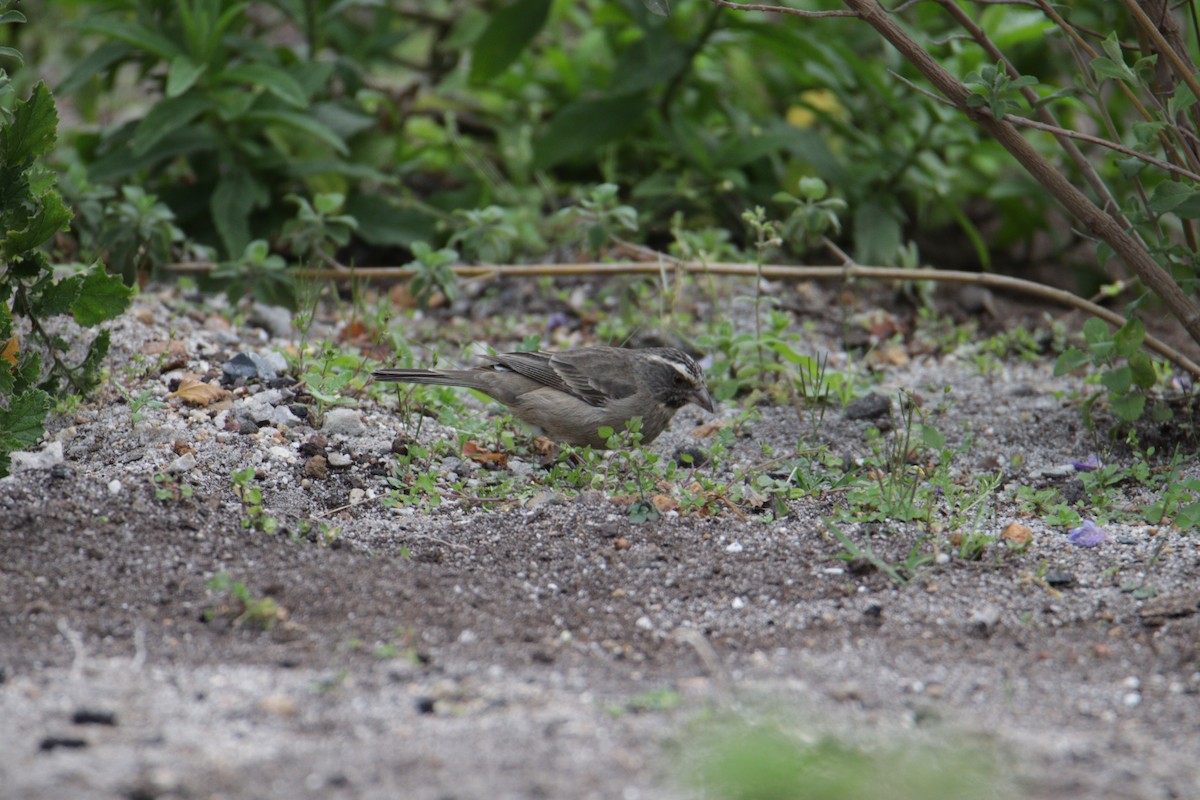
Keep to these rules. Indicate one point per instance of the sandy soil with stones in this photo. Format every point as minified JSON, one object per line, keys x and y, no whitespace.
{"x":506,"y":650}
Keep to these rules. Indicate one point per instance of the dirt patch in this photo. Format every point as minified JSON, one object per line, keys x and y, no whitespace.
{"x":515,"y":649}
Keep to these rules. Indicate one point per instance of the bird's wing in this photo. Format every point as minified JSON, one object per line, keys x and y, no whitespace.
{"x":596,"y":375}
{"x":575,"y":373}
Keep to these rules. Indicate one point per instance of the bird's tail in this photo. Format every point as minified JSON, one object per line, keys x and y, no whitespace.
{"x":433,"y":376}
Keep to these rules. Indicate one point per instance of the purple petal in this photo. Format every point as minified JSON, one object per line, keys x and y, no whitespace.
{"x":1087,"y":535}
{"x":1090,"y":464}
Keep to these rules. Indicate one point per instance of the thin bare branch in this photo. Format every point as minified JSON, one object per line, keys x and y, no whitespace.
{"x":1182,"y":68}
{"x":1166,"y":166}
{"x":779,"y":272}
{"x":795,"y":12}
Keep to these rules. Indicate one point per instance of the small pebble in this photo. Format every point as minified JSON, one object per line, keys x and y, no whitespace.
{"x":317,"y":467}
{"x":241,"y":366}
{"x":47,"y":458}
{"x":985,"y":619}
{"x":280,"y":453}
{"x":185,"y":463}
{"x":88,"y":716}
{"x":344,"y":421}
{"x":870,"y":407}
{"x":275,"y":320}
{"x":734,"y":547}
{"x":114,"y":487}
{"x":1060,"y":579}
{"x":315,"y":445}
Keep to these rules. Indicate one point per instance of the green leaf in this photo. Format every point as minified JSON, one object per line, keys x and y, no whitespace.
{"x":232,"y":201}
{"x":271,"y":79}
{"x":101,"y":297}
{"x":49,"y":217}
{"x":1117,"y":380}
{"x":94,"y":63}
{"x":87,"y":374}
{"x":1177,"y":197}
{"x":507,"y":35}
{"x":21,"y":423}
{"x":299,"y":122}
{"x":32,"y":130}
{"x":653,"y":60}
{"x":57,"y":297}
{"x":166,"y":117}
{"x":182,"y":75}
{"x":932,"y":437}
{"x":1107,"y":68}
{"x":1129,"y":407}
{"x":1071,"y":360}
{"x":877,"y":233}
{"x":584,"y":127}
{"x":385,"y":223}
{"x":1129,"y":337}
{"x":1181,"y":101}
{"x":1144,"y":374}
{"x":139,"y":36}
{"x":1095,"y":330}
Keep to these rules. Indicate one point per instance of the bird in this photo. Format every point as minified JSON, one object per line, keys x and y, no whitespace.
{"x":571,"y":395}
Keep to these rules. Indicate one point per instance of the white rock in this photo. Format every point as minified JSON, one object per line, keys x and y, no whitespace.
{"x":276,"y":320}
{"x":345,"y":421}
{"x":45,"y":458}
{"x":284,"y":416}
{"x":281,"y":453}
{"x":258,"y":408}
{"x":185,"y":463}
{"x":114,"y":487}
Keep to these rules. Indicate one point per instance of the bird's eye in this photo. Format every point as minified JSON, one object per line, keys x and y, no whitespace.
{"x":680,"y":380}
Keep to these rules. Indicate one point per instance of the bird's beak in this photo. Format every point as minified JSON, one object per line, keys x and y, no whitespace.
{"x":702,"y":398}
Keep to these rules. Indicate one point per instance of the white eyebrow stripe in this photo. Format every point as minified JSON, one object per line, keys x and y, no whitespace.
{"x":682,"y":369}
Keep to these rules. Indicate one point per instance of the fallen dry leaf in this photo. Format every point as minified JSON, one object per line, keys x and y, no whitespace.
{"x":9,"y":351}
{"x":486,"y":457}
{"x":708,"y":429}
{"x":198,"y":393}
{"x":173,"y":353}
{"x":664,"y":503}
{"x":890,"y":355}
{"x":1017,"y":533}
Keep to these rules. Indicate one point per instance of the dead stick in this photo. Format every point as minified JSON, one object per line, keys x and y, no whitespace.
{"x":781,"y":272}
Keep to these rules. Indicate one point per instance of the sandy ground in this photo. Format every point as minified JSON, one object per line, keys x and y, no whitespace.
{"x":553,"y":648}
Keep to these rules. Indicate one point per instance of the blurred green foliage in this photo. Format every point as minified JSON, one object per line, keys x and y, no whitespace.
{"x":417,"y":113}
{"x":470,"y":125}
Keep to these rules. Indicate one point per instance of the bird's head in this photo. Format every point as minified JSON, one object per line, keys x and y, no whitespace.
{"x":675,"y":378}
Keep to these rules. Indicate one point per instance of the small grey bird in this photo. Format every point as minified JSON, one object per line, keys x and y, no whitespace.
{"x":571,"y":395}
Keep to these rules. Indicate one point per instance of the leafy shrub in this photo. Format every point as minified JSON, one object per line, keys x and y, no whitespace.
{"x":31,"y":213}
